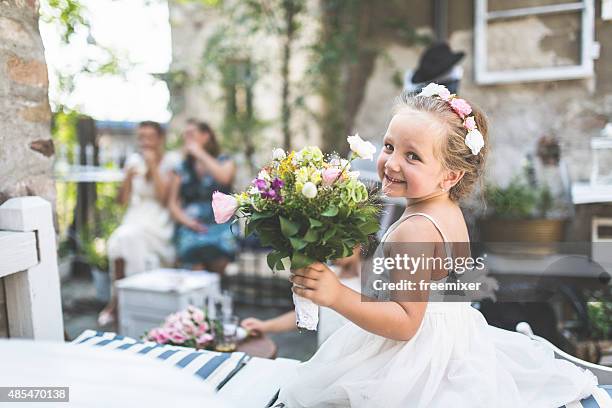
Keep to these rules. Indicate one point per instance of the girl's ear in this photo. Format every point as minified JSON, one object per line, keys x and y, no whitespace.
{"x":452,"y":177}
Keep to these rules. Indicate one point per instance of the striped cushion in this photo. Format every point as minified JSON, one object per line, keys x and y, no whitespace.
{"x":601,"y":399}
{"x":213,"y":367}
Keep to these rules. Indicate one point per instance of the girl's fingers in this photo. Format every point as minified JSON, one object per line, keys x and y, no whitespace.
{"x":305,"y":293}
{"x":303,"y":281}
{"x":307,"y":273}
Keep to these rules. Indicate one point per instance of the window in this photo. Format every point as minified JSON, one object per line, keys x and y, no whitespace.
{"x":553,"y":40}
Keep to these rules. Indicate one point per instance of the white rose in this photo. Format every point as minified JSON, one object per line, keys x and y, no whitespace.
{"x":309,"y":190}
{"x":474,"y":141}
{"x":253,"y":190}
{"x":435,"y":90}
{"x":363,"y":149}
{"x":278,"y":154}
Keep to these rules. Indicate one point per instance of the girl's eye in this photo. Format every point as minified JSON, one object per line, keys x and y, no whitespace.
{"x":413,"y":156}
{"x":388,"y":147}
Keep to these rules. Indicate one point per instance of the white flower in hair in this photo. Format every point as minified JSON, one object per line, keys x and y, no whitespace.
{"x":436,"y":90}
{"x":474,"y":141}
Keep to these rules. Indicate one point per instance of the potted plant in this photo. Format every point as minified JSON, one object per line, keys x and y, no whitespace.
{"x":519,"y":213}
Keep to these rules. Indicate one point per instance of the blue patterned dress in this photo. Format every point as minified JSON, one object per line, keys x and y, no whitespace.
{"x":218,"y":241}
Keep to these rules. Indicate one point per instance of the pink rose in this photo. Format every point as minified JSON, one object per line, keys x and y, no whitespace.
{"x":444,"y":94}
{"x":189,"y":327}
{"x":330,"y":175}
{"x":469,"y":123}
{"x":224,"y":206}
{"x":205,"y":338}
{"x":202,"y":328}
{"x":177,"y":337}
{"x":197,"y":315}
{"x":159,"y":336}
{"x":461,"y":107}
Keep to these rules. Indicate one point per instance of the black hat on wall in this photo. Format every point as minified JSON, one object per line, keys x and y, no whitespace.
{"x":435,"y":61}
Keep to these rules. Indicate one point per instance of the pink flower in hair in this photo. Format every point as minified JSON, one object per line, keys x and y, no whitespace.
{"x":469,"y":123}
{"x":461,"y":107}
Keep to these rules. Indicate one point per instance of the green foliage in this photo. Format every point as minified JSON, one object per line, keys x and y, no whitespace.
{"x":600,"y":316}
{"x":66,"y":15}
{"x":519,"y":200}
{"x":94,"y":239}
{"x":515,"y":201}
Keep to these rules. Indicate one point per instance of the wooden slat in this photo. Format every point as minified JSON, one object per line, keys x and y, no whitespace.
{"x":3,"y":318}
{"x":530,"y":11}
{"x":17,"y":251}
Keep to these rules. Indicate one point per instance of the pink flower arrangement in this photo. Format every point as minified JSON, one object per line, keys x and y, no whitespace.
{"x":187,"y":328}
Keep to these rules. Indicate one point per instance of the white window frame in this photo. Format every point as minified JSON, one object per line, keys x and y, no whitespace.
{"x":589,"y":50}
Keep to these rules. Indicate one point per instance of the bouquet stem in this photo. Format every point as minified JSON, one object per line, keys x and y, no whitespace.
{"x":306,"y":312}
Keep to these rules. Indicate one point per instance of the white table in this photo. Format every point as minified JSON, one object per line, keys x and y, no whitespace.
{"x":146,"y":299}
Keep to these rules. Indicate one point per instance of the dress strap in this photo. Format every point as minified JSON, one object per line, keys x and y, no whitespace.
{"x":447,"y":246}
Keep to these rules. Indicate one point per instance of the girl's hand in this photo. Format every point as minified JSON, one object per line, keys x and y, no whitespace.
{"x":318,"y":283}
{"x":254,"y":326}
{"x":193,"y":148}
{"x":195,"y":225}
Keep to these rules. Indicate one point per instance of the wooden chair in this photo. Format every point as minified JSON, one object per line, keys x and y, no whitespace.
{"x":28,"y":268}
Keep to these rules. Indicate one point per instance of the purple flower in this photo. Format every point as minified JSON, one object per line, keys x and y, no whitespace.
{"x":261,"y":184}
{"x":277,"y":184}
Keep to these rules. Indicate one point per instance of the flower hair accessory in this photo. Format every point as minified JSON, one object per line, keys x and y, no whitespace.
{"x":474,"y":139}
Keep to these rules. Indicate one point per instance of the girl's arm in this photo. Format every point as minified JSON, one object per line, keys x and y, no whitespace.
{"x":126,"y":187}
{"x":397,"y":320}
{"x":222,"y":172}
{"x":278,"y":324}
{"x":174,"y":206}
{"x":160,"y":180}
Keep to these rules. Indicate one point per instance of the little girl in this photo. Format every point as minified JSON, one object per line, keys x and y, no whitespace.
{"x":426,"y":354}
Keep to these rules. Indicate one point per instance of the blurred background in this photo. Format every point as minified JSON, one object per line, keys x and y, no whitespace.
{"x":81,"y":75}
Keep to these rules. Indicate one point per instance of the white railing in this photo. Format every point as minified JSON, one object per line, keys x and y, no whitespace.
{"x":28,"y":265}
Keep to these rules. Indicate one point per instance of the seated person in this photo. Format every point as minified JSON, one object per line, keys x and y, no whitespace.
{"x":200,"y":242}
{"x":143,"y":240}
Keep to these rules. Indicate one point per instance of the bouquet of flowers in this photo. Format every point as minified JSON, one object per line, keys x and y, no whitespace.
{"x":188,"y":328}
{"x":308,"y":208}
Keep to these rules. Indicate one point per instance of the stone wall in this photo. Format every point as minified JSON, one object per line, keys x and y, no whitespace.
{"x":573,"y":110}
{"x":26,"y":148}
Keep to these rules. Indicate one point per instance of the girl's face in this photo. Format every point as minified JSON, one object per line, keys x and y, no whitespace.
{"x":407,"y":164}
{"x":149,"y":138}
{"x":192,"y":134}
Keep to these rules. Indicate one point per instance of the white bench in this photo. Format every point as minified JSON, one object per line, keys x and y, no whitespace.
{"x":28,"y":266}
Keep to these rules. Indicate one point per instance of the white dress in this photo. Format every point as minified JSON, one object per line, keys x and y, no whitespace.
{"x":143,"y":239}
{"x":454,"y":360}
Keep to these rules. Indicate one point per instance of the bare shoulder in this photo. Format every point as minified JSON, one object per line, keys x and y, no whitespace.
{"x":415,"y":229}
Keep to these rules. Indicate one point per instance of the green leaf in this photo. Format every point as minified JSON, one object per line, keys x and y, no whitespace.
{"x":274,"y":260}
{"x":288,"y":227}
{"x":311,"y":236}
{"x":329,"y":233}
{"x":370,"y":227}
{"x":260,"y":216}
{"x":331,"y":211}
{"x":315,"y":223}
{"x":297,"y":243}
{"x":299,"y":260}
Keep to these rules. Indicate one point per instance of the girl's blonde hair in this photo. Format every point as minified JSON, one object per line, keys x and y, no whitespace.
{"x":454,"y":153}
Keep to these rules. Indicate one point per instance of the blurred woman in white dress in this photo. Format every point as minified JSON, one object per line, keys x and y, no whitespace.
{"x":143,"y":240}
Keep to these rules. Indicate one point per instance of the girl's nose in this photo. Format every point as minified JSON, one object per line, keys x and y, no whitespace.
{"x":392,"y":164}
